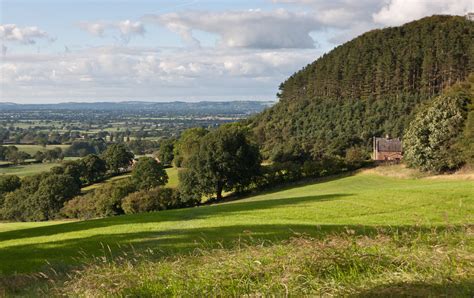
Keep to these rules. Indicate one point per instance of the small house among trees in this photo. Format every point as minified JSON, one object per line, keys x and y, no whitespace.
{"x":387,"y":149}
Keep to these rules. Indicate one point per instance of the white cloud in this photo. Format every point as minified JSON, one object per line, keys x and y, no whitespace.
{"x":339,"y":13}
{"x":121,"y":73}
{"x":397,"y":12}
{"x":245,"y":29}
{"x":126,"y":29}
{"x":24,"y":35}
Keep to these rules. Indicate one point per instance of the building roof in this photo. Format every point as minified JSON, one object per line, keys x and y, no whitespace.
{"x":388,"y":145}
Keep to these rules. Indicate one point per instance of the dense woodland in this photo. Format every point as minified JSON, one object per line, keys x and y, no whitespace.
{"x":370,"y":86}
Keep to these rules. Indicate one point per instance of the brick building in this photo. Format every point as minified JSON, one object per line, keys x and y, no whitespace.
{"x":386,"y":149}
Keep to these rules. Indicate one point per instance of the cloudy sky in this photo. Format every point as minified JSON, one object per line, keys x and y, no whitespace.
{"x":165,"y":50}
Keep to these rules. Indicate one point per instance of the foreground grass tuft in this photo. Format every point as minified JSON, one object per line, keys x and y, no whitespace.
{"x":414,"y":262}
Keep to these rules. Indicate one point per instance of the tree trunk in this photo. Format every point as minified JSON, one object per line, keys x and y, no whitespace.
{"x":219,"y":190}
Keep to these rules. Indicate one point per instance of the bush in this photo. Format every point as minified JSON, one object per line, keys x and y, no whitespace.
{"x":152,"y":200}
{"x":102,"y":202}
{"x":356,"y":157}
{"x":80,"y":207}
{"x":430,"y":141}
{"x":9,"y":183}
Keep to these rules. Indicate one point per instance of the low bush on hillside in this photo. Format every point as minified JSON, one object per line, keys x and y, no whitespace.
{"x":419,"y":263}
{"x":438,"y":138}
{"x":152,"y":200}
{"x":102,"y":202}
{"x":9,"y":183}
{"x":122,"y":198}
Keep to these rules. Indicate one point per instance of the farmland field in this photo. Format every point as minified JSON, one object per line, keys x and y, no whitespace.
{"x":364,"y":203}
{"x":28,"y":169}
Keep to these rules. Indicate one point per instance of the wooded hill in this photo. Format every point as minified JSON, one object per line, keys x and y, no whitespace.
{"x":370,"y":86}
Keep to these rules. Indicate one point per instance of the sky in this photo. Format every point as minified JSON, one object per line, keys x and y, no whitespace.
{"x":144,"y":50}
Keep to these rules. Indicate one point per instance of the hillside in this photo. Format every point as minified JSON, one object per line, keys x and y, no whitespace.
{"x":365,"y":205}
{"x":370,"y":86}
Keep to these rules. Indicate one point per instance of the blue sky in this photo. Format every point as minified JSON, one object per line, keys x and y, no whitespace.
{"x":69,"y":50}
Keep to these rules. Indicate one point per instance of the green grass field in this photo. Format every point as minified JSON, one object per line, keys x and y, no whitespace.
{"x":364,"y":204}
{"x":172,"y":177}
{"x":172,"y":180}
{"x":27,"y":170}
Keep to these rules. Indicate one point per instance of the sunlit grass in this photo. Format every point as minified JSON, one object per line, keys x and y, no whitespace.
{"x":362,"y":202}
{"x":27,"y":169}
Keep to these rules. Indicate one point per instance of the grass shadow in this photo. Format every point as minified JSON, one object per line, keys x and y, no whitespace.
{"x":64,"y":253}
{"x":421,"y":289}
{"x":163,"y":216}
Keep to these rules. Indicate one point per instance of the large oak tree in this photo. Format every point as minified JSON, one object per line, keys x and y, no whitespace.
{"x":226,"y":160}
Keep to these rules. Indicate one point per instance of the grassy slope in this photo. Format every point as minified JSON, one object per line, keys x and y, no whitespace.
{"x":27,"y":170}
{"x":363,"y":202}
{"x":172,"y":181}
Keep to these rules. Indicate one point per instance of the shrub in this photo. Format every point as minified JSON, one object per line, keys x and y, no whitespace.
{"x":80,"y":207}
{"x":102,"y":202}
{"x":430,"y":141}
{"x":9,"y":183}
{"x":355,"y":157}
{"x":152,"y":200}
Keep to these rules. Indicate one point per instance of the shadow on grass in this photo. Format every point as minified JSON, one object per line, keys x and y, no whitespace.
{"x":464,"y":288}
{"x":73,"y":252}
{"x":164,"y":216}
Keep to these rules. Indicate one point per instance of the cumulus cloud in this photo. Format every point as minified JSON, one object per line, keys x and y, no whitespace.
{"x":24,"y":35}
{"x":397,"y":12}
{"x":121,"y":73}
{"x":244,"y":29}
{"x":126,"y":29}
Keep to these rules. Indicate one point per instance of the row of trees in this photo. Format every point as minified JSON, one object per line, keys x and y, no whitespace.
{"x":226,"y":159}
{"x":41,"y":197}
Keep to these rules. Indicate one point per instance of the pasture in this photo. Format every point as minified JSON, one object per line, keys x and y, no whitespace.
{"x":24,"y":170}
{"x":364,"y":205}
{"x":27,"y":169}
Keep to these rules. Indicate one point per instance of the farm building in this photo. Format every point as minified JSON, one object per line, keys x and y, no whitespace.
{"x":387,"y":149}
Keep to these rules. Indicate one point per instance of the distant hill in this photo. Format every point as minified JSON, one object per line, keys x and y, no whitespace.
{"x":178,"y":107}
{"x":370,"y":86}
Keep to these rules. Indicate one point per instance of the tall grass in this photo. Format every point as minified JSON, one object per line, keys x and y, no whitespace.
{"x":416,"y":262}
